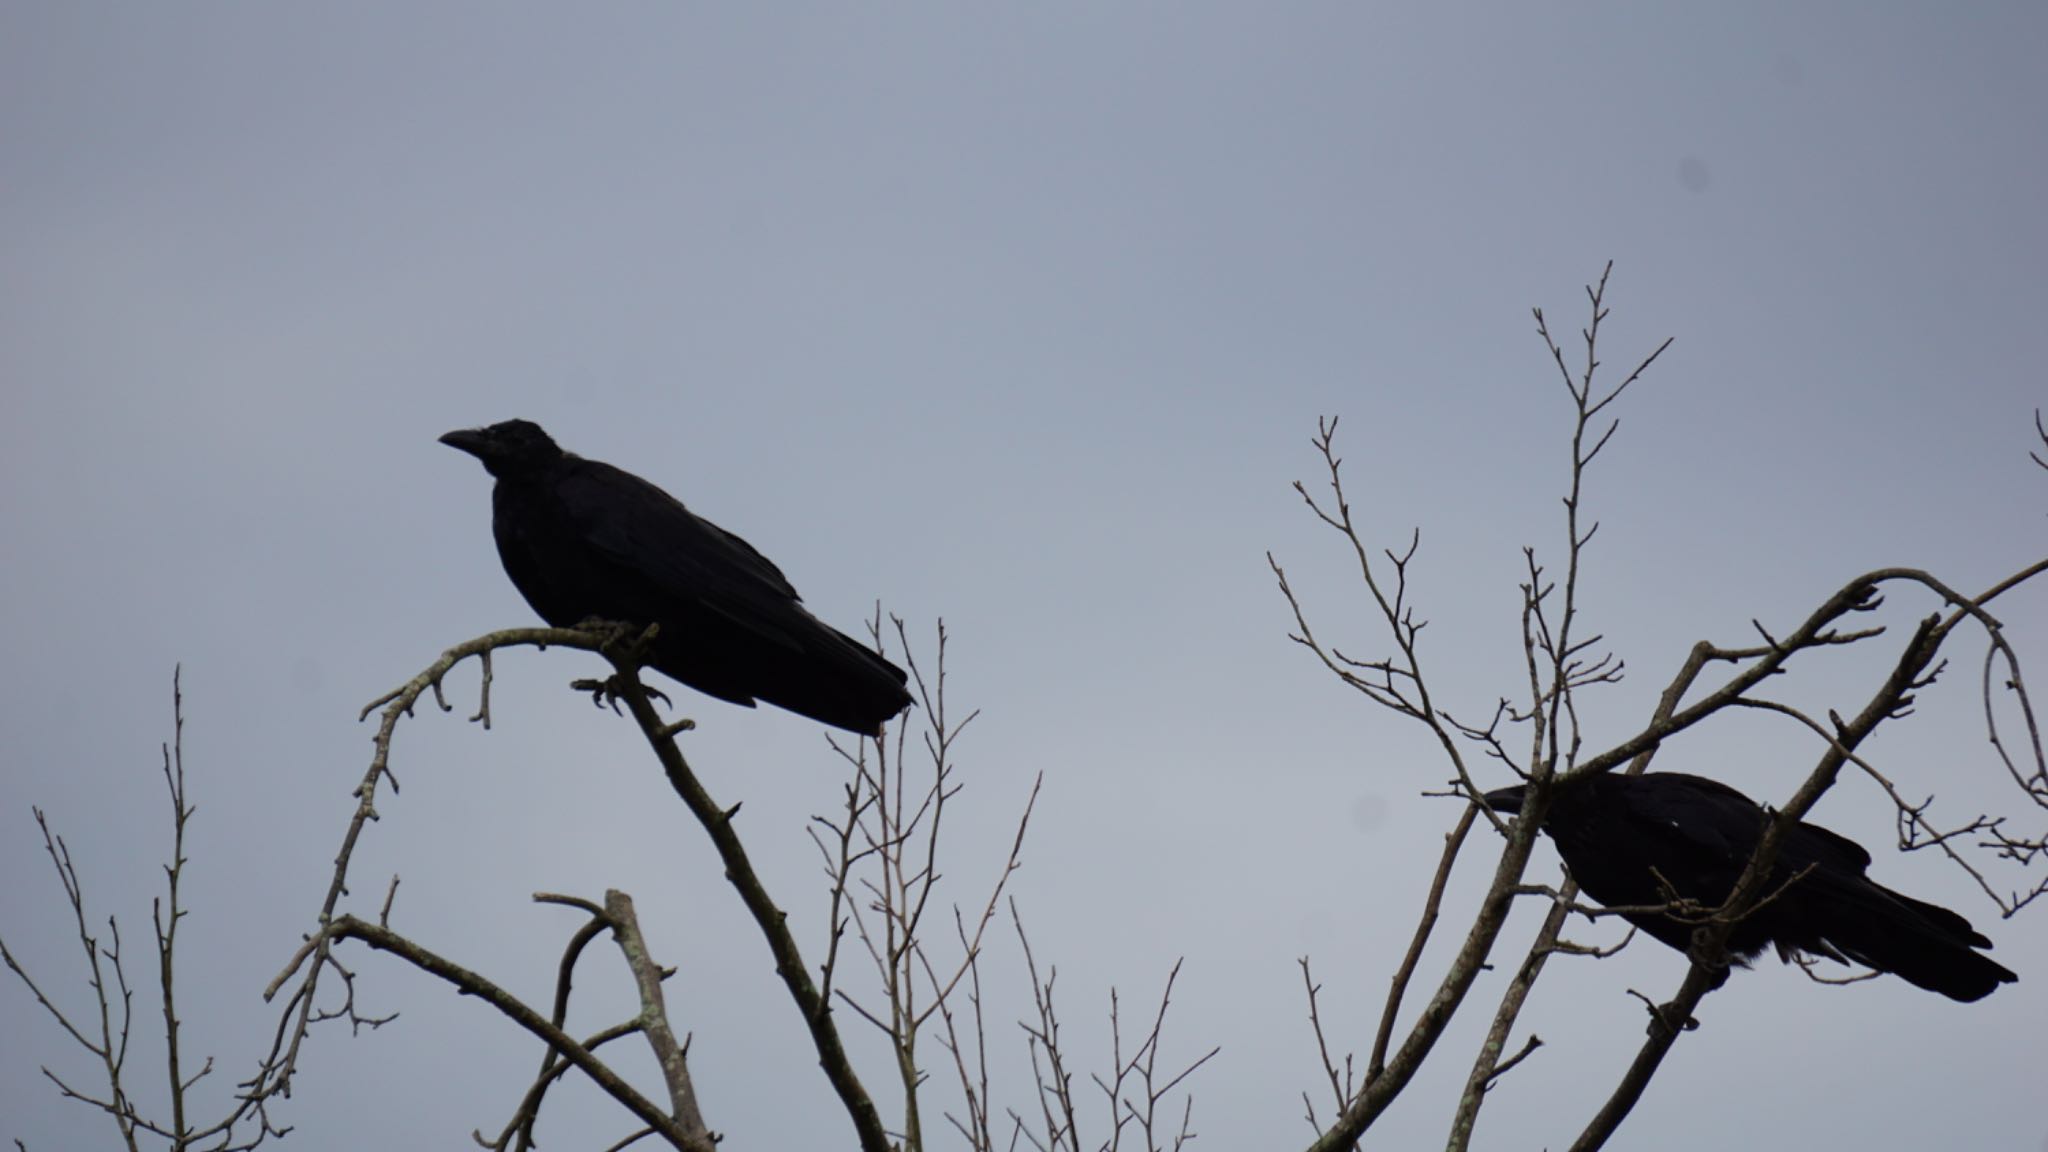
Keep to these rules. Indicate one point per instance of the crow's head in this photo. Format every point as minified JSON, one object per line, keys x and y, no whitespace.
{"x":1506,"y":799}
{"x":508,"y":449}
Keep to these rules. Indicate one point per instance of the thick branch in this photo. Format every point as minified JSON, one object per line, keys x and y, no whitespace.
{"x":773,"y":922}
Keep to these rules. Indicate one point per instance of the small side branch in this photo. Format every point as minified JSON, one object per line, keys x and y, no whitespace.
{"x":672,"y":1057}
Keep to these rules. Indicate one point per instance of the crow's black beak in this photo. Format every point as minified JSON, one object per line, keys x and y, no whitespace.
{"x":470,"y":440}
{"x":1507,"y":799}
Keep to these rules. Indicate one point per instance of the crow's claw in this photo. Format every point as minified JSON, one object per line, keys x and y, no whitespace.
{"x":611,"y":690}
{"x":1666,"y":1019}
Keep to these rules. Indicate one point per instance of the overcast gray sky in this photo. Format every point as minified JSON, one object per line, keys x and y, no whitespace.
{"x":1022,"y":318}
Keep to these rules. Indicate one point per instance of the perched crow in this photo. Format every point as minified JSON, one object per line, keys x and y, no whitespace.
{"x":1698,"y":834}
{"x":582,"y":539}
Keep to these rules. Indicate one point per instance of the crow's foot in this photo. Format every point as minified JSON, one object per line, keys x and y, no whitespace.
{"x":1715,"y":962}
{"x":1665,"y":1019}
{"x":1668,"y":1018}
{"x":612,"y":689}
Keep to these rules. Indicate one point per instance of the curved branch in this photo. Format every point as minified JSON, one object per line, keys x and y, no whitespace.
{"x":274,"y":1071}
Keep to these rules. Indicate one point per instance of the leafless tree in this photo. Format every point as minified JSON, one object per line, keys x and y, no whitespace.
{"x":1536,"y":733}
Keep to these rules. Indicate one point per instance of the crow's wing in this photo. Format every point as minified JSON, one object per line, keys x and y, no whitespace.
{"x":1706,"y":816}
{"x":677,"y":559}
{"x":1717,"y":817}
{"x":1811,"y":843}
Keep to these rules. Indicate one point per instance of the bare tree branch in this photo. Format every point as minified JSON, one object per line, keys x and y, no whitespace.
{"x":773,"y":923}
{"x":1454,"y":840}
{"x":511,"y":1007}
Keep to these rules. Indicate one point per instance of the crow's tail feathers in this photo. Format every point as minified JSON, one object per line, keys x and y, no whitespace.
{"x":841,"y":682}
{"x":1921,"y":943}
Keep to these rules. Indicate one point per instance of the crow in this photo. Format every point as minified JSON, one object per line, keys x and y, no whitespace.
{"x":584,"y":540}
{"x":1618,"y":834}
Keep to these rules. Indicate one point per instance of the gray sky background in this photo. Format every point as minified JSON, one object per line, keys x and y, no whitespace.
{"x":1021,"y":318}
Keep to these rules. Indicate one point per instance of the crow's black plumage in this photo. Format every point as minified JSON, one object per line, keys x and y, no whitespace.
{"x":1698,"y":834}
{"x":582,"y":539}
